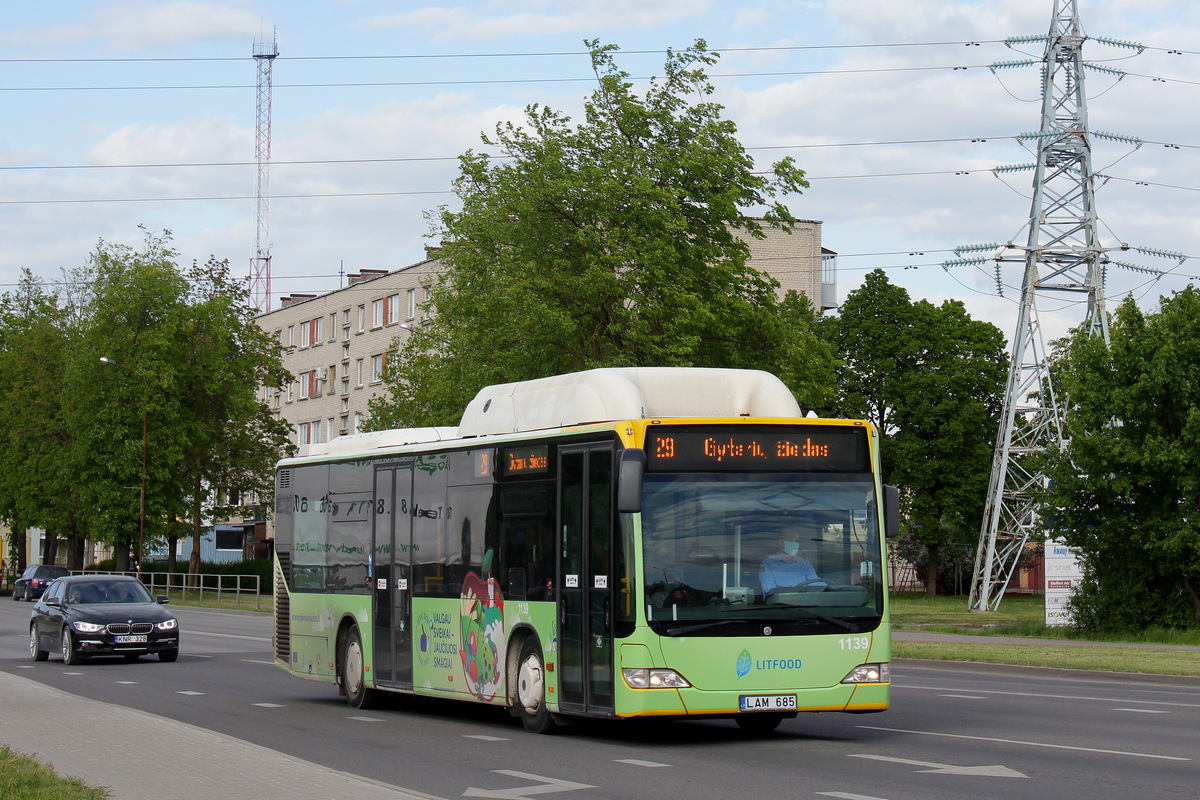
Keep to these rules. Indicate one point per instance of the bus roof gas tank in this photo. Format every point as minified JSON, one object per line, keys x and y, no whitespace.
{"x":617,"y":393}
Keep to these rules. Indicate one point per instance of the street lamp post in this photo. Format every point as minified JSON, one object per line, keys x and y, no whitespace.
{"x":145,"y":430}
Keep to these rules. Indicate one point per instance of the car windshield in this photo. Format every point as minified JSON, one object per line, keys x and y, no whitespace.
{"x":97,"y":592}
{"x":725,"y":551}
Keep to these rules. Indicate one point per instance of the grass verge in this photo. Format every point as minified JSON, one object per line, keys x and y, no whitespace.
{"x":26,"y":778}
{"x":1023,"y":616}
{"x":1106,"y":659}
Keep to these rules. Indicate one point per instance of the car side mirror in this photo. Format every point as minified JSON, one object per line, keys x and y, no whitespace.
{"x":162,"y":599}
{"x":53,"y":602}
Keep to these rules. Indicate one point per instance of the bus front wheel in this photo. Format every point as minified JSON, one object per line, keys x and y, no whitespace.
{"x":531,"y":689}
{"x":354,"y":678}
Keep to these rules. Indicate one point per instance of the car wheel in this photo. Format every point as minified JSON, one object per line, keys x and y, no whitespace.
{"x":168,"y":655}
{"x":531,"y":690}
{"x":69,"y":653}
{"x":354,"y":677}
{"x":35,"y":650}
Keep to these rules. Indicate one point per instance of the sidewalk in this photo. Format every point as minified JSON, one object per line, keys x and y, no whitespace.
{"x":140,"y":756}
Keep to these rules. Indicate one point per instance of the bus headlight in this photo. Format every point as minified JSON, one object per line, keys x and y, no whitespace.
{"x":870,"y":673}
{"x":641,"y":678}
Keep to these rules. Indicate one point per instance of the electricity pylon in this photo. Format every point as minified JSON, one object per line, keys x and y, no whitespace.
{"x":260,"y":262}
{"x":1062,"y":255}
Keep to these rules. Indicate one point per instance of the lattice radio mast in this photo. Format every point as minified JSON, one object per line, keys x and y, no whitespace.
{"x":260,"y":262}
{"x":1062,"y":255}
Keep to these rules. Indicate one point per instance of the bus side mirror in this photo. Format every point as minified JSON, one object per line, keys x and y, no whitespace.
{"x":891,"y":511}
{"x":631,"y":469}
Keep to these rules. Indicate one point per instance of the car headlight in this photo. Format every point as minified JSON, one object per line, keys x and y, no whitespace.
{"x":87,"y":627}
{"x":641,"y":678}
{"x":870,"y":673}
{"x":167,"y":625}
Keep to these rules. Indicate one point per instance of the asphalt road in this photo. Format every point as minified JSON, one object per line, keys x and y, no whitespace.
{"x":954,"y":731}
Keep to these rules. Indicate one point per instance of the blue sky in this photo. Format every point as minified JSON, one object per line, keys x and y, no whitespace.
{"x":120,"y":113}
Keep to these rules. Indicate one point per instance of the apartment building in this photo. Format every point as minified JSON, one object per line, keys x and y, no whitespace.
{"x":336,"y":343}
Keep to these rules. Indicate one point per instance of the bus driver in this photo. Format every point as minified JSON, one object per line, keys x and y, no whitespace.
{"x":787,"y":570}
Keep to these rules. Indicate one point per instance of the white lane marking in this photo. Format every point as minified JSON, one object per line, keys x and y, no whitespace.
{"x":991,"y":771}
{"x":252,"y":661}
{"x":964,"y":696}
{"x":1052,"y":696}
{"x":72,"y":673}
{"x":25,"y":666}
{"x":190,"y":655}
{"x":127,"y":683}
{"x":230,"y":636}
{"x":366,"y":719}
{"x":1047,"y":745}
{"x":484,"y":737}
{"x":637,"y":762}
{"x":190,"y":693}
{"x":544,"y":786}
{"x":268,"y":705}
{"x":848,"y":796}
{"x":1143,"y":710}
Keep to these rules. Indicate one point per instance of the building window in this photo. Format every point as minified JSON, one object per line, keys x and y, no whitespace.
{"x":360,"y":372}
{"x":357,"y":422}
{"x":303,"y":433}
{"x":316,"y":432}
{"x":412,"y":303}
{"x":329,"y":430}
{"x":345,"y":386}
{"x":291,"y":337}
{"x":378,"y":361}
{"x":303,"y":378}
{"x":291,"y":391}
{"x":330,"y":378}
{"x":333,"y":327}
{"x":393,"y":309}
{"x":362,"y":318}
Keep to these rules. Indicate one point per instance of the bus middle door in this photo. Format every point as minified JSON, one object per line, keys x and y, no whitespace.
{"x":585,"y":610}
{"x":392,"y":606}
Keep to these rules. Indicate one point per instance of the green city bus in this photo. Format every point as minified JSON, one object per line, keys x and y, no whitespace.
{"x":597,"y":544}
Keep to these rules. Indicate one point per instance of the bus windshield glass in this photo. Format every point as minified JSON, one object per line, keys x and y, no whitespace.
{"x":738,"y":554}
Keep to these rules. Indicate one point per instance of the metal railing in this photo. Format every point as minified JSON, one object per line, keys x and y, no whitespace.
{"x":188,"y":587}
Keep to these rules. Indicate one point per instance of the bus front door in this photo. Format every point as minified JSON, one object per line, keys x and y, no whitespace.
{"x":391,"y":540}
{"x":585,"y":604}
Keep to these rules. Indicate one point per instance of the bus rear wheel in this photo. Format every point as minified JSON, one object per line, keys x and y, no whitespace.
{"x":531,"y":689}
{"x":354,"y":677}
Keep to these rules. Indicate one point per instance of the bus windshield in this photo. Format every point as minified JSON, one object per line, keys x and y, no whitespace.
{"x":734,"y":554}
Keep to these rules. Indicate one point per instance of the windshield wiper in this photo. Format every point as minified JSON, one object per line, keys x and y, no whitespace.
{"x":680,"y":630}
{"x":841,"y":623}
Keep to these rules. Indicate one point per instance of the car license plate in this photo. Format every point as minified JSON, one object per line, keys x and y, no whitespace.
{"x":132,"y":638}
{"x":767,"y":702}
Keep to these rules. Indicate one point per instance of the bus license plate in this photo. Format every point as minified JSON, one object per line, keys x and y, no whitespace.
{"x":767,"y":702}
{"x":132,"y":638}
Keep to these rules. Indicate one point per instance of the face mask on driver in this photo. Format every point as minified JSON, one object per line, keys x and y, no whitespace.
{"x":791,"y":548}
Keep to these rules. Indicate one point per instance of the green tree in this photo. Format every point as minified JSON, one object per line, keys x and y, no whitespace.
{"x":1126,"y":490}
{"x":37,"y":486}
{"x":618,"y":241}
{"x":932,"y":379}
{"x":191,"y":361}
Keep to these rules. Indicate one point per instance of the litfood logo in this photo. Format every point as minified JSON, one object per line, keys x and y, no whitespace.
{"x":746,"y":662}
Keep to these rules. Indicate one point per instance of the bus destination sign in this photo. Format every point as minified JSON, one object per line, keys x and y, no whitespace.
{"x":526,"y":460}
{"x":820,"y":448}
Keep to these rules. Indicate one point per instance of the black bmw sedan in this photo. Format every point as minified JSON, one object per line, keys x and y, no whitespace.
{"x":101,"y":615}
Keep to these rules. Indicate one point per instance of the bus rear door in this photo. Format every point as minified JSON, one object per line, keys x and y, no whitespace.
{"x":585,"y":602}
